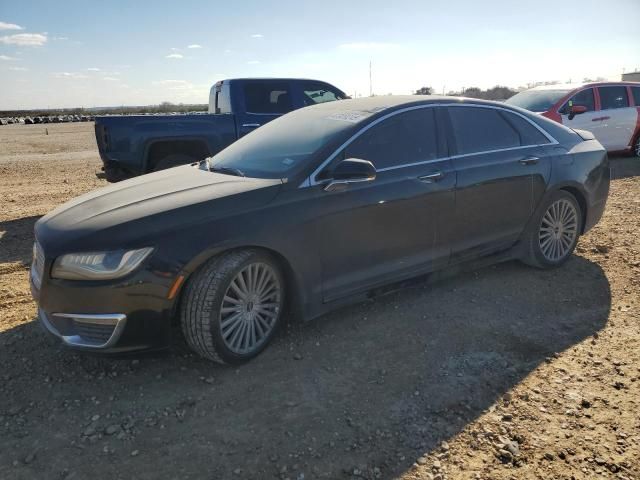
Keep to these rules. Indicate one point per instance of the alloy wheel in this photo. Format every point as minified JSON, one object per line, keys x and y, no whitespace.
{"x":250,"y":308}
{"x":558,"y":230}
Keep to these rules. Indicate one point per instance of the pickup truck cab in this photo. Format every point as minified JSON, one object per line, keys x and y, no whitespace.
{"x":132,"y":145}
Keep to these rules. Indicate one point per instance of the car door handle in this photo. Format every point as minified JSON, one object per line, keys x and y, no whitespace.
{"x":432,"y":177}
{"x":600,"y":119}
{"x":529,"y":160}
{"x":250,"y":125}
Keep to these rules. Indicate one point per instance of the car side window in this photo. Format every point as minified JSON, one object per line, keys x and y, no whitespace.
{"x":399,"y":140}
{"x":267,"y":97}
{"x":319,"y":93}
{"x":613,"y":97}
{"x":584,"y":98}
{"x":529,"y":135}
{"x":635,"y":91}
{"x":478,"y":129}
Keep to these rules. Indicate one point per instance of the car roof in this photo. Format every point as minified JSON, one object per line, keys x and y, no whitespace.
{"x":574,"y":86}
{"x":271,"y":79}
{"x":379,"y":103}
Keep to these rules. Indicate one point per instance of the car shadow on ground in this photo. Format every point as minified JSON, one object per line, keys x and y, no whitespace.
{"x":16,"y":237}
{"x":362,"y":391}
{"x":624,"y":167}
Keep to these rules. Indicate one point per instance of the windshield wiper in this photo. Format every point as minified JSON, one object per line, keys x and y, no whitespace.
{"x":225,"y":170}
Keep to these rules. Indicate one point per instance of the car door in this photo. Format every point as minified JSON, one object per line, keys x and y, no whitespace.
{"x":264,"y":100}
{"x":502,"y":169}
{"x":617,"y":119}
{"x":589,"y":120}
{"x":395,"y":226}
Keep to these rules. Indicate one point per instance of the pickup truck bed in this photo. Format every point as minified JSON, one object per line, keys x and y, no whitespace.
{"x":131,"y":145}
{"x":144,"y":143}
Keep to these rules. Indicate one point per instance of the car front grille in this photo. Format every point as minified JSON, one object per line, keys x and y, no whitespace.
{"x":37,"y":265}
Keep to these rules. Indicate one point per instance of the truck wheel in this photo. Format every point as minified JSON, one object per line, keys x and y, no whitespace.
{"x":173,"y":160}
{"x":113,"y":175}
{"x":553,"y":235}
{"x":233,"y":305}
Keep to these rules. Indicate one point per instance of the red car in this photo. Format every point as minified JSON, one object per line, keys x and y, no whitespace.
{"x":610,"y":110}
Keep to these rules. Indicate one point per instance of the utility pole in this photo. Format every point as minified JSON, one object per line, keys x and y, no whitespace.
{"x":370,"y":81}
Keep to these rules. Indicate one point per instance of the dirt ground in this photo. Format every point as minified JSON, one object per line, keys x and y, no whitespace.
{"x":505,"y":372}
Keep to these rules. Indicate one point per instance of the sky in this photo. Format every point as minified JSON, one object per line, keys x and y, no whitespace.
{"x":69,"y":53}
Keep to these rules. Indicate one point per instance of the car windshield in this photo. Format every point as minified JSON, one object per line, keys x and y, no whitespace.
{"x":537,"y":100}
{"x":284,"y":146}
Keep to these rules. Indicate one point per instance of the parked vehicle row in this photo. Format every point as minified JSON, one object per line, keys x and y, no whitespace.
{"x":323,"y":206}
{"x":131,"y":145}
{"x":610,"y":110}
{"x":46,"y":119}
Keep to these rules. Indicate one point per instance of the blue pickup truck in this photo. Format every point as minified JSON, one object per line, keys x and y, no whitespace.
{"x":132,"y":145}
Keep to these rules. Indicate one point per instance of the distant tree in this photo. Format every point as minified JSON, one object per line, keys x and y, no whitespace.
{"x":499,"y":93}
{"x":495,"y":93}
{"x":424,"y":91}
{"x":472,"y":92}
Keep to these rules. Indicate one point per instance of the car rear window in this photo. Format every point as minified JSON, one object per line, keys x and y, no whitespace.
{"x":613,"y":97}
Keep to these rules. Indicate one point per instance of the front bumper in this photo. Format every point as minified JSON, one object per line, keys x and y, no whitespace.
{"x":81,"y":314}
{"x":98,"y":331}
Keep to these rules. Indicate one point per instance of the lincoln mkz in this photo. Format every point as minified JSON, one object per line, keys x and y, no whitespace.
{"x":318,"y":208}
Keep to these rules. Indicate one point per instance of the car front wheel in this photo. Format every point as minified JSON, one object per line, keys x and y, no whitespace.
{"x":553,"y":235}
{"x":233,"y":306}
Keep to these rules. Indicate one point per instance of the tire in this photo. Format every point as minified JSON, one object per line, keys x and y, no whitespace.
{"x":174,"y":160}
{"x":553,"y":234}
{"x":636,"y":147}
{"x":114,"y":175}
{"x":217,"y":321}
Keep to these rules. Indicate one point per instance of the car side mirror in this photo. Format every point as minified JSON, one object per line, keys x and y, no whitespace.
{"x":351,"y":170}
{"x":576,"y":110}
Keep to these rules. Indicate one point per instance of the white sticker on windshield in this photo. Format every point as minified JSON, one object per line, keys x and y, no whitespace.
{"x":352,"y":117}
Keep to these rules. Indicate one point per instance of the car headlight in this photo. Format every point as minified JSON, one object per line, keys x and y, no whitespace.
{"x":98,"y":265}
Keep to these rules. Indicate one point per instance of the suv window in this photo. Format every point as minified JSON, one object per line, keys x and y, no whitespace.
{"x":585,"y":98}
{"x":479,"y":129}
{"x":319,"y":93}
{"x":269,"y":97}
{"x":399,"y":140}
{"x":529,"y":135}
{"x":635,"y":91}
{"x":613,"y":97}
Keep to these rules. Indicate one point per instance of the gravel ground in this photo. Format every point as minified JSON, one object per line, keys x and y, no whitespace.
{"x":504,"y":372}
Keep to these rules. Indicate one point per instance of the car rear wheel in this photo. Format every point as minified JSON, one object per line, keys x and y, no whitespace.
{"x":636,"y":147}
{"x":233,"y":305}
{"x":553,"y":235}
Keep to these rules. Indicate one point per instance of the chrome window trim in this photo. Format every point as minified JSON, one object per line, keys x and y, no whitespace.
{"x":311,"y":179}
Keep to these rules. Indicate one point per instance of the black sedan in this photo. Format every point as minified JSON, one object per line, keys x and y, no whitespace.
{"x":318,"y":208}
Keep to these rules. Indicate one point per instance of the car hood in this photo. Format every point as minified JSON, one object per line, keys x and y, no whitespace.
{"x":138,"y":209}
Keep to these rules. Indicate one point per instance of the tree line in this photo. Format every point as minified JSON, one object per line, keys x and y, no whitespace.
{"x":494,"y":93}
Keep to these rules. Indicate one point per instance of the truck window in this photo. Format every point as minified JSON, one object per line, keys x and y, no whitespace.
{"x":267,"y":97}
{"x":319,"y":93}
